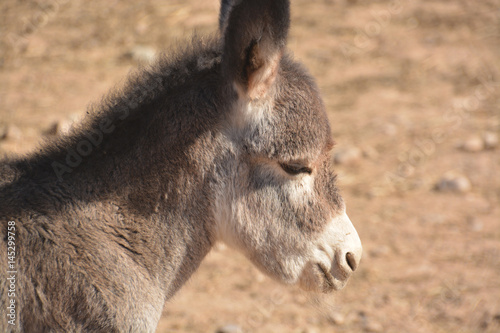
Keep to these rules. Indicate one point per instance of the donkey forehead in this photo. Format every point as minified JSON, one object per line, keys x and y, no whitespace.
{"x":295,"y":125}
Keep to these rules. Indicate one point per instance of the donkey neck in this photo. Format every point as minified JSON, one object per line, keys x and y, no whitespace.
{"x":150,"y":161}
{"x":144,"y":134}
{"x":148,"y":148}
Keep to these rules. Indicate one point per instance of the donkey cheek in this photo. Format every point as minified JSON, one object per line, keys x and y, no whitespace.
{"x":312,"y":220}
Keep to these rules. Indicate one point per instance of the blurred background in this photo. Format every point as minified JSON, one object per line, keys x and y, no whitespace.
{"x":413,"y":94}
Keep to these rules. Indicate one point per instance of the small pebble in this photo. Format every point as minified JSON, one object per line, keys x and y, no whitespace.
{"x":390,"y":129}
{"x":259,"y":277}
{"x":336,"y":318}
{"x":10,"y":132}
{"x":3,"y":132}
{"x":310,"y":330}
{"x":380,"y":251}
{"x":454,"y":183}
{"x":370,"y":152}
{"x":474,"y":224}
{"x":347,"y":155}
{"x":59,"y":127}
{"x":432,"y":218}
{"x":490,"y":140}
{"x":142,"y":54}
{"x":373,"y":326}
{"x":486,"y":320}
{"x":229,"y":329}
{"x":473,"y":144}
{"x":63,"y":126}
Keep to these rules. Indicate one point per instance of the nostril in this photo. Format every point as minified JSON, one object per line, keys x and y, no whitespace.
{"x":351,"y":261}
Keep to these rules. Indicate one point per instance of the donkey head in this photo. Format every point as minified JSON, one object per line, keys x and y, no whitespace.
{"x":278,"y":202}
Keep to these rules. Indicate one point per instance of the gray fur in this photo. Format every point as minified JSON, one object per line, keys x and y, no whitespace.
{"x":104,"y":243}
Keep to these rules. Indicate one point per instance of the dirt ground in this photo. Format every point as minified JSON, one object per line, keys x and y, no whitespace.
{"x":406,"y":83}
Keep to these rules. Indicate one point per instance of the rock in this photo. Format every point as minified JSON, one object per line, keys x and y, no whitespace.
{"x":347,"y":155}
{"x":472,"y":144}
{"x":454,"y":183}
{"x":10,"y":132}
{"x":229,"y":329}
{"x":372,"y":326}
{"x":310,"y":330}
{"x":59,"y":127}
{"x":433,"y":219}
{"x":336,"y":318}
{"x":474,"y":224}
{"x":141,"y":54}
{"x":62,"y":127}
{"x":370,"y":152}
{"x":259,"y":277}
{"x":490,"y":140}
{"x":486,"y":320}
{"x":3,"y":132}
{"x":390,"y":129}
{"x":53,"y":129}
{"x":380,"y":251}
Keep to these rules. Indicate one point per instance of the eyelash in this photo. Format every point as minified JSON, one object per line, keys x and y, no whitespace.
{"x":294,"y":169}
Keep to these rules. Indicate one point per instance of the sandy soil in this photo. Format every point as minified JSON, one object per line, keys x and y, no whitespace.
{"x":407,"y":82}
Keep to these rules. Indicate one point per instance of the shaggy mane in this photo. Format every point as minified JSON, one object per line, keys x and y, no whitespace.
{"x":164,"y":78}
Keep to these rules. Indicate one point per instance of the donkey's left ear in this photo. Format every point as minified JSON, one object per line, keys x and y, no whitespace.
{"x":254,"y":41}
{"x":225,"y":9}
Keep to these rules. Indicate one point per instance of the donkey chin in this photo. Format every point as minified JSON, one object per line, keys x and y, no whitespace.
{"x":318,"y":277}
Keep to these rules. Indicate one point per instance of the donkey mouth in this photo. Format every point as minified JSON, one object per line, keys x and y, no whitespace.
{"x":330,"y":283}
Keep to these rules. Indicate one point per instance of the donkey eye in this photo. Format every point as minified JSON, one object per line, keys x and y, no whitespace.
{"x":294,"y":169}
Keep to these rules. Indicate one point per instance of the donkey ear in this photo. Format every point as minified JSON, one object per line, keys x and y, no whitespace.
{"x":225,"y":9}
{"x":254,"y":40}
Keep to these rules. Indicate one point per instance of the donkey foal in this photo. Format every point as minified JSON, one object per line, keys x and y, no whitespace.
{"x":226,"y":140}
